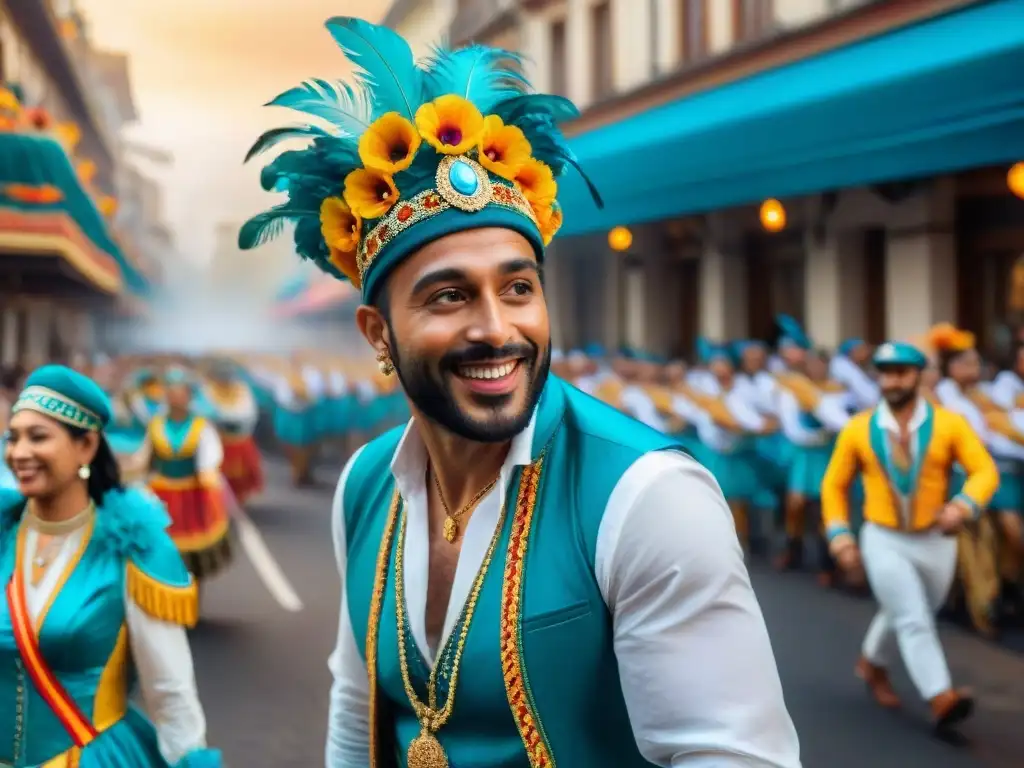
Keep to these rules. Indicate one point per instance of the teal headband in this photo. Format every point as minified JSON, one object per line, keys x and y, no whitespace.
{"x":57,"y":406}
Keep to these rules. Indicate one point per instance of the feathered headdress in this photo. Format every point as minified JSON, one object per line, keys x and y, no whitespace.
{"x":410,"y":152}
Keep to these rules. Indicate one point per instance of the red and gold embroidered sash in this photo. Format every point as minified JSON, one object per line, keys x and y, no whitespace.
{"x":78,"y":726}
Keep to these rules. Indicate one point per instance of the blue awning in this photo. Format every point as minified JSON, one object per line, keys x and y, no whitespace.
{"x":941,"y":95}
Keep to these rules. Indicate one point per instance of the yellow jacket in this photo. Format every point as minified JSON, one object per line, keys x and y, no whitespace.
{"x":857,"y":449}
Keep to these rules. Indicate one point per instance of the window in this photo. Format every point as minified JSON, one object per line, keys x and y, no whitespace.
{"x":603,"y":60}
{"x":752,"y":19}
{"x":559,"y":63}
{"x":693,"y":35}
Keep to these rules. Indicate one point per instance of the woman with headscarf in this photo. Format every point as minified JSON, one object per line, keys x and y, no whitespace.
{"x":95,"y":588}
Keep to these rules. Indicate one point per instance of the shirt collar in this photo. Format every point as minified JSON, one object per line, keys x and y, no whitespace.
{"x":409,"y":464}
{"x":887,"y":420}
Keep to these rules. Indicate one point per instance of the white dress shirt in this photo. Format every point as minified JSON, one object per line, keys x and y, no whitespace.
{"x":1001,"y":447}
{"x":242,"y":411}
{"x":696,"y":665}
{"x":1005,"y":389}
{"x":865,"y":392}
{"x":159,"y":651}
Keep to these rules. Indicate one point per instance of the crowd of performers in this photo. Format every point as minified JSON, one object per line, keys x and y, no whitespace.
{"x":765,"y":422}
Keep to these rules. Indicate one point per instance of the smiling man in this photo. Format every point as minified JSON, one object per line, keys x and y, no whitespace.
{"x":528,"y":575}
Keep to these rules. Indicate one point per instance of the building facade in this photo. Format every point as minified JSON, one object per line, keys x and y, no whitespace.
{"x":884,"y":129}
{"x":70,"y":258}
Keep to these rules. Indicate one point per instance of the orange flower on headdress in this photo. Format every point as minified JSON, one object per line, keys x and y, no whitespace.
{"x":389,"y":144}
{"x":340,"y":227}
{"x":945,"y":337}
{"x":550,"y":221}
{"x":370,"y":194}
{"x":537,"y":183}
{"x":450,"y":124}
{"x":504,"y":149}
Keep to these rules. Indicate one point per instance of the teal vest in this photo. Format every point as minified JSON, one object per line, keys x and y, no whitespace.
{"x":174,"y":447}
{"x":79,"y":637}
{"x":562,"y":692}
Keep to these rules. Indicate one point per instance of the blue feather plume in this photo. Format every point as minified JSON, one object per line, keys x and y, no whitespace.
{"x":389,"y":70}
{"x":481,"y":75}
{"x":275,"y":136}
{"x":346,"y":107}
{"x":537,"y":116}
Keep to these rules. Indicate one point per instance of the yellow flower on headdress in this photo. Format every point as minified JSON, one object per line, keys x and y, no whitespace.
{"x":369,"y":193}
{"x":346,"y":264}
{"x":537,"y":182}
{"x":550,"y":221}
{"x":340,"y":227}
{"x":389,"y":144}
{"x":504,"y":149}
{"x":450,"y":124}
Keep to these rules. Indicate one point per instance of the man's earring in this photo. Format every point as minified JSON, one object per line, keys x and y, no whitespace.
{"x":384,"y":362}
{"x":84,"y":472}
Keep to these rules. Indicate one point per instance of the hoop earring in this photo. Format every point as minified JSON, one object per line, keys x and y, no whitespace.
{"x":84,"y":472}
{"x":384,"y":362}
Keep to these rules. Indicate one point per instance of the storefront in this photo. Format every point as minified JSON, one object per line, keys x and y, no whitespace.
{"x":59,"y":266}
{"x":861,"y":144}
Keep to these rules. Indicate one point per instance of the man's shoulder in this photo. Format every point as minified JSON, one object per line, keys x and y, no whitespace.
{"x":367,"y":472}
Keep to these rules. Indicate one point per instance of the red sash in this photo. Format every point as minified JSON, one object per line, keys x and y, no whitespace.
{"x":78,"y":726}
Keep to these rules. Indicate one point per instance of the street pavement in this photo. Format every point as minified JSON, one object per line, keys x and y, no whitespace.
{"x":264,"y":681}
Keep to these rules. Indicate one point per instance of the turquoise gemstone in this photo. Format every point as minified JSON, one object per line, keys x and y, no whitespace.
{"x":463,"y":178}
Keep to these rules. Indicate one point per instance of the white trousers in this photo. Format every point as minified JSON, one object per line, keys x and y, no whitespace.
{"x":910,"y":575}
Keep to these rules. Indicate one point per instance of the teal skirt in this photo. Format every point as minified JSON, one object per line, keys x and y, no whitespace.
{"x":807,"y":470}
{"x":294,"y":428}
{"x":1008,"y":496}
{"x":130,"y":743}
{"x":735,"y":474}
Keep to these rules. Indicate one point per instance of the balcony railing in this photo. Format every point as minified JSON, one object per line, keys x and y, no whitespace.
{"x":477,"y":17}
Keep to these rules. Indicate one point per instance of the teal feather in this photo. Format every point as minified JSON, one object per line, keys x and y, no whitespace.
{"x":345,"y":107}
{"x":265,"y":226}
{"x":481,"y":75}
{"x":275,"y":136}
{"x":389,"y":71}
{"x":558,"y":108}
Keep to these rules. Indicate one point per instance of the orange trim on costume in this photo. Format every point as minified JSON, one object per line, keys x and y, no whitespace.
{"x":57,"y":699}
{"x":164,"y":483}
{"x":193,"y":542}
{"x":516,"y":685}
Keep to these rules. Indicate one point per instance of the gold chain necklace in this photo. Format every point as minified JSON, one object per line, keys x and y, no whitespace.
{"x":425,"y":751}
{"x":451,"y":522}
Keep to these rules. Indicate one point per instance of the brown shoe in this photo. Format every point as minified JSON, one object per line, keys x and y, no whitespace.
{"x":951,"y":707}
{"x":877,"y":681}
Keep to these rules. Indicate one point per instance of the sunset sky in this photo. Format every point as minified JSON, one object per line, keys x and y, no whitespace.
{"x":201,"y":70}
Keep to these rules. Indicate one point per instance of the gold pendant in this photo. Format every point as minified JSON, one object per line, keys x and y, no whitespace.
{"x":451,"y":528}
{"x":426,"y":751}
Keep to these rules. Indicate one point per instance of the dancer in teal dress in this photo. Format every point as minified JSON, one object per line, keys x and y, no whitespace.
{"x":94,"y":587}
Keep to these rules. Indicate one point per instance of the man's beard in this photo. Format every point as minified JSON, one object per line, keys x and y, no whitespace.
{"x":427,"y":387}
{"x":899,"y":398}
